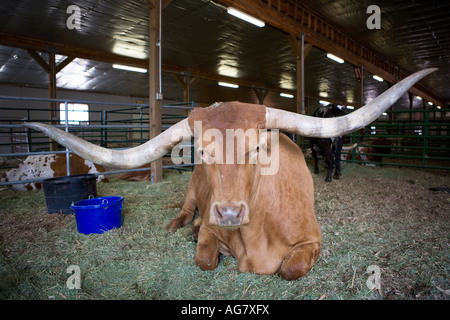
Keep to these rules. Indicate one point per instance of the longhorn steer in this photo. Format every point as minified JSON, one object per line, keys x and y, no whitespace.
{"x":48,"y":166}
{"x":329,"y":147}
{"x":266,"y":221}
{"x":372,"y":151}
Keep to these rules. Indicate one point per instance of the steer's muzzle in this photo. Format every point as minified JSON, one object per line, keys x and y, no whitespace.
{"x":229,"y":214}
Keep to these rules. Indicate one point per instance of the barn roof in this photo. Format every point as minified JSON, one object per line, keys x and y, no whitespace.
{"x":200,"y":39}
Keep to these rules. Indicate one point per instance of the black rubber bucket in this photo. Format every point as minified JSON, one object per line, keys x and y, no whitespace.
{"x":61,"y":192}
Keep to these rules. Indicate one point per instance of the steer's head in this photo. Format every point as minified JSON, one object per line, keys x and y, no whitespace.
{"x":228,"y":143}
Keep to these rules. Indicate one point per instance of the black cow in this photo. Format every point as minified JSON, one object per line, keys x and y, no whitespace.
{"x":329,"y":148}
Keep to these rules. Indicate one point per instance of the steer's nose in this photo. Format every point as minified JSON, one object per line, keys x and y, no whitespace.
{"x":230,"y":214}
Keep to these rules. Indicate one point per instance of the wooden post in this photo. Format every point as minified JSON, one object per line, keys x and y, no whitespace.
{"x":300,"y":50}
{"x":298,"y":46}
{"x":52,"y":69}
{"x":186,"y":83}
{"x":155,"y":92}
{"x":361,"y":87}
{"x":53,"y":117}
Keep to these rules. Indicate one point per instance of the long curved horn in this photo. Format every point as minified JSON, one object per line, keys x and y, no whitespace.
{"x":309,"y":126}
{"x":348,"y":148}
{"x":127,"y":158}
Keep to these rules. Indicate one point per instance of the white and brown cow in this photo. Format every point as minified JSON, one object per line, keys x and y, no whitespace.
{"x":49,"y":166}
{"x":265,"y":221}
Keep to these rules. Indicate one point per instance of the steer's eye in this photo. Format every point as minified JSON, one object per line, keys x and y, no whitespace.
{"x":257,"y":148}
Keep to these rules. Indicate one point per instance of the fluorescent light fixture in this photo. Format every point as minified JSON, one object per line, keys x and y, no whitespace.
{"x":419,"y":97}
{"x":286,"y":95}
{"x":323,"y":102}
{"x":246,"y":17}
{"x":128,"y":68}
{"x":229,"y":85}
{"x":333,"y":57}
{"x":378,"y":78}
{"x":350,"y":107}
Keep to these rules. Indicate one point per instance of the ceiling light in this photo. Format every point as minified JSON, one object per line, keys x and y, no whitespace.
{"x":438,"y":107}
{"x":246,"y":17}
{"x":286,"y":95}
{"x":333,"y":57}
{"x":378,"y":78}
{"x":419,"y":98}
{"x":323,"y":102}
{"x":430,"y":103}
{"x":350,"y":107}
{"x":384,"y":114}
{"x":128,"y":68}
{"x":229,"y":85}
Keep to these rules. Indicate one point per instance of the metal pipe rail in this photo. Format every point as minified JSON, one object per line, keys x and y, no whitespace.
{"x":417,"y":138}
{"x":103,"y":126}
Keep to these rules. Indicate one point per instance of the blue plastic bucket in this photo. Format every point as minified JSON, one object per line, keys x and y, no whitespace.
{"x":98,"y":215}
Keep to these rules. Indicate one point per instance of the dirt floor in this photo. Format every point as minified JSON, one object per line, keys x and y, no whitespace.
{"x":377,"y":223}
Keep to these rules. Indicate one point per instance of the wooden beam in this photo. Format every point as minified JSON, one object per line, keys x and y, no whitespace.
{"x":155,"y":92}
{"x":261,"y":94}
{"x":186,"y":83}
{"x":17,"y":41}
{"x":165,"y":3}
{"x":291,"y":17}
{"x":298,"y":46}
{"x":40,"y":61}
{"x":361,"y":87}
{"x":64,"y":63}
{"x":52,"y":94}
{"x":107,"y":57}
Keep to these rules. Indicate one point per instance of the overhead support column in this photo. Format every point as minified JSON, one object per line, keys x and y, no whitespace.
{"x":361,"y":90}
{"x":155,"y":90}
{"x":300,"y":50}
{"x":52,"y":94}
{"x":52,"y":70}
{"x":186,"y":83}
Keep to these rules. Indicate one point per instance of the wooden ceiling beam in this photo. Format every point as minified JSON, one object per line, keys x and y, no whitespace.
{"x":17,"y":41}
{"x":290,"y":17}
{"x":34,"y":45}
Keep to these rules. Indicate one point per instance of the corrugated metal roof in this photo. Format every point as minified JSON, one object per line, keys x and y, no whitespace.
{"x":199,"y":35}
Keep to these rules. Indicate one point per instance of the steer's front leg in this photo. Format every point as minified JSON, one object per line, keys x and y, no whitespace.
{"x":207,"y":250}
{"x":299,"y":260}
